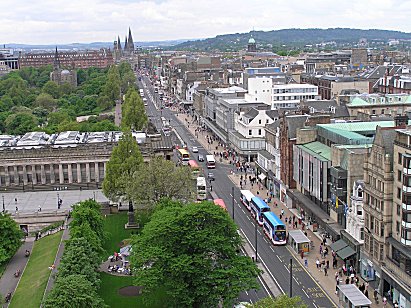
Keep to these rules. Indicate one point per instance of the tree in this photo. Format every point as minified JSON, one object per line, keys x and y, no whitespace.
{"x":20,"y":123}
{"x":112,"y":87}
{"x":133,"y":111}
{"x":46,"y":101}
{"x":125,"y":159}
{"x":73,"y":291}
{"x":11,"y":236}
{"x":52,"y":89}
{"x":88,"y":212}
{"x":78,"y":259}
{"x":191,"y":250}
{"x":282,"y":301}
{"x":159,"y":179}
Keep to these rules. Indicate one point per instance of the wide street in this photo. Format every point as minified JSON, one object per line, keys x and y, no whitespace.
{"x":275,"y":259}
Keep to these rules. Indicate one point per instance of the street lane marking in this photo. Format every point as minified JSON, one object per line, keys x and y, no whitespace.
{"x":263,"y":284}
{"x":305,"y":293}
{"x":278,"y":257}
{"x":313,"y":279}
{"x":286,"y":267}
{"x":273,"y":251}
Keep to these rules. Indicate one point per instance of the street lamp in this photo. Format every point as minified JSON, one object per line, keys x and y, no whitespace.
{"x":232,"y":194}
{"x":256,"y":249}
{"x":58,"y":201}
{"x":94,"y":195}
{"x":4,"y":207}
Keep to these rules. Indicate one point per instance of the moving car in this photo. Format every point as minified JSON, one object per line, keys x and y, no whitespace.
{"x":195,"y":150}
{"x":200,"y":157}
{"x":211,"y":176}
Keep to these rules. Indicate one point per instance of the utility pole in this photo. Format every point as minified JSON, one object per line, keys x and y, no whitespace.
{"x":256,"y":249}
{"x":232,"y":195}
{"x":291,"y":277}
{"x":4,"y":207}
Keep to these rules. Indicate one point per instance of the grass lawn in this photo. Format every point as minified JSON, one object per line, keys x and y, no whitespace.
{"x":30,"y":290}
{"x":114,"y":226}
{"x":109,"y":292}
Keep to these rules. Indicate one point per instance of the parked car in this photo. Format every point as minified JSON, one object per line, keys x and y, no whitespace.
{"x":200,"y":157}
{"x":195,"y":150}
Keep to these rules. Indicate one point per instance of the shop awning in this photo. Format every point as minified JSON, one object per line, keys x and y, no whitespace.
{"x":338,"y":245}
{"x":354,"y":296}
{"x":262,"y":176}
{"x":345,"y":252}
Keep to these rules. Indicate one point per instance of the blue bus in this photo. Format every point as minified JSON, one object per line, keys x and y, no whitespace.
{"x":258,"y":207}
{"x":245,"y":198}
{"x":274,"y":228}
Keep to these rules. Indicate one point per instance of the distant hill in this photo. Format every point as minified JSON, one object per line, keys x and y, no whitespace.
{"x":292,"y":37}
{"x":93,"y":45}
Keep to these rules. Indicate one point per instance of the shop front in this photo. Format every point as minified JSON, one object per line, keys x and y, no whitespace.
{"x":394,"y":291}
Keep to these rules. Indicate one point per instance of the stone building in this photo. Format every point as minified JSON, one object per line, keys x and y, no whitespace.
{"x":61,"y":76}
{"x":355,"y":215}
{"x":80,"y":59}
{"x":70,"y":159}
{"x":378,"y":197}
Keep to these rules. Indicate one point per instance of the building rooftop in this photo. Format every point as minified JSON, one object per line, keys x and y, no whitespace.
{"x":317,"y":149}
{"x":233,"y":89}
{"x":376,"y":99}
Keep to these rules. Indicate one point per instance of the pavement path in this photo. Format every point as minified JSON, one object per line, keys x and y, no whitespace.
{"x":8,"y":282}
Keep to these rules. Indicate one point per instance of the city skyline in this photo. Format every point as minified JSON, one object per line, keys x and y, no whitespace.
{"x":45,"y":22}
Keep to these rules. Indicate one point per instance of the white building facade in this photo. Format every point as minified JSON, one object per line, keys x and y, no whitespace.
{"x":290,"y":95}
{"x":355,"y":214}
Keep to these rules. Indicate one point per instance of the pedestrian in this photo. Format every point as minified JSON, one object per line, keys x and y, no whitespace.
{"x":302,"y":254}
{"x":306,"y":263}
{"x":337,"y":280}
{"x":325,"y":271}
{"x":39,"y":208}
{"x":15,"y":200}
{"x":317,"y":263}
{"x":282,"y":212}
{"x":347,"y":280}
{"x":328,"y":264}
{"x":366,"y":293}
{"x":384,"y":301}
{"x":17,"y":209}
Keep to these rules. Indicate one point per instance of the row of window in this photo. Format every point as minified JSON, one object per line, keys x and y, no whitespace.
{"x":374,"y":225}
{"x":289,"y":98}
{"x":373,"y":247}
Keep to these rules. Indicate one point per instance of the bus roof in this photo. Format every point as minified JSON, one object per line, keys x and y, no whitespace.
{"x":192,"y":163}
{"x":259,"y":203}
{"x":220,"y":203}
{"x":201,"y":181}
{"x":210,"y":157}
{"x":273,"y":219}
{"x":183,"y":151}
{"x":247,"y":194}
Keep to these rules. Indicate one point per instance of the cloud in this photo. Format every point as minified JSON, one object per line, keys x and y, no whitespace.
{"x":58,"y":21}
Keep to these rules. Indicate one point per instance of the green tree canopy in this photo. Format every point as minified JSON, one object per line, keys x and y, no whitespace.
{"x":158,"y":179}
{"x":283,"y":301}
{"x":112,"y":87}
{"x":20,"y":123}
{"x":46,"y":101}
{"x":11,"y":236}
{"x":133,"y":111}
{"x":52,"y":88}
{"x":191,"y":250}
{"x":125,"y":160}
{"x":73,"y":291}
{"x":88,"y":212}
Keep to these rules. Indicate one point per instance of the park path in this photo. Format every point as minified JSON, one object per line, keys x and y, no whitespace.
{"x":8,"y":283}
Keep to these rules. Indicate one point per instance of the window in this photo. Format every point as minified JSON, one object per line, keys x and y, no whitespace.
{"x":397,"y":227}
{"x":399,"y":158}
{"x":399,"y":175}
{"x":362,"y":233}
{"x":398,"y":209}
{"x":259,"y":132}
{"x":250,"y":132}
{"x":266,"y":121}
{"x":381,"y":229}
{"x":259,"y":121}
{"x":398,"y":193}
{"x":371,"y":223}
{"x":382,"y":206}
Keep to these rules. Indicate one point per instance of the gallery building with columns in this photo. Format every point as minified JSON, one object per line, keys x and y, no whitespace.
{"x":72,"y":160}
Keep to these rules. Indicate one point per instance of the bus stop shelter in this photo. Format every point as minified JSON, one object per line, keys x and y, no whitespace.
{"x":350,"y":296}
{"x":298,"y":241}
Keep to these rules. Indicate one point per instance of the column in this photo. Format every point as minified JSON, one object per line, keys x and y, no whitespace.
{"x":42,"y":174}
{"x":16,"y":175}
{"x":61,"y":175}
{"x":78,"y":173}
{"x":88,"y":172}
{"x":52,"y":175}
{"x":34,"y":174}
{"x":25,"y":181}
{"x":6,"y":175}
{"x":70,"y":173}
{"x":97,"y":173}
{"x":104,"y":169}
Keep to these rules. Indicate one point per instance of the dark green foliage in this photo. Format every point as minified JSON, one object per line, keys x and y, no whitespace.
{"x":283,"y":301}
{"x":133,"y":111}
{"x":73,"y":291}
{"x":11,"y":236}
{"x":191,"y":250}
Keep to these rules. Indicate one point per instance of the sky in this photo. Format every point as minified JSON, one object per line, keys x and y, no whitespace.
{"x":85,"y":21}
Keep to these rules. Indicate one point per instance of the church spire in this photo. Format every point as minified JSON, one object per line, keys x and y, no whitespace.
{"x":130,"y":42}
{"x":56,"y":60}
{"x":126,"y":45}
{"x":118,"y":43}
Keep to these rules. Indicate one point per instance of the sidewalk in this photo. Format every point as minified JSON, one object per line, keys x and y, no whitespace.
{"x":8,"y":282}
{"x":328,"y":283}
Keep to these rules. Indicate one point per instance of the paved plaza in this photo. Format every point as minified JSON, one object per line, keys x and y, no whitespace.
{"x":47,"y":200}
